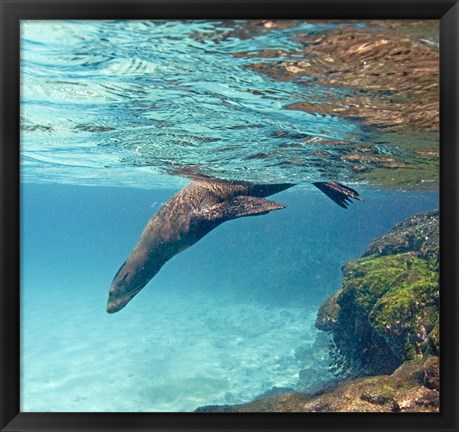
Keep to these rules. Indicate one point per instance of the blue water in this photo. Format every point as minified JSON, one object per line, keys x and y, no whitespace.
{"x":220,"y":323}
{"x":109,"y":108}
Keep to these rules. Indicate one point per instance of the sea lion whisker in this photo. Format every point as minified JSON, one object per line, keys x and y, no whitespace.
{"x":131,"y":293}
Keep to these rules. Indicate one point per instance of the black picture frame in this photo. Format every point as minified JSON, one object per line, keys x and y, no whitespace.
{"x":12,"y":11}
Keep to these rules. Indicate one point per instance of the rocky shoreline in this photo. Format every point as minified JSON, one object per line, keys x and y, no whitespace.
{"x":384,"y":324}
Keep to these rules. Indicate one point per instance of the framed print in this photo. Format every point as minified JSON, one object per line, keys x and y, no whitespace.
{"x":229,"y":216}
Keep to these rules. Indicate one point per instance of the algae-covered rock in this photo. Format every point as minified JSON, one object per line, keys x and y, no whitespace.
{"x":328,"y":313}
{"x":406,"y":314}
{"x":418,"y":234}
{"x":432,"y":346}
{"x":387,"y":310}
{"x":431,"y":373}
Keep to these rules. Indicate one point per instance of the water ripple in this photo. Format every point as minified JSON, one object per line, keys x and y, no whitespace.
{"x":154,"y":94}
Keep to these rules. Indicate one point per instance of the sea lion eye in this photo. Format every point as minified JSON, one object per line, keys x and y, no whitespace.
{"x":125,"y":276}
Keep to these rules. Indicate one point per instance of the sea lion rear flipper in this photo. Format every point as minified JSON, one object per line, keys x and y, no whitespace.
{"x":241,"y":206}
{"x":339,"y":193}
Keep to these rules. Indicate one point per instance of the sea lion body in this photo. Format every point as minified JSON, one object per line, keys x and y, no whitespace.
{"x":190,"y":215}
{"x":182,"y":221}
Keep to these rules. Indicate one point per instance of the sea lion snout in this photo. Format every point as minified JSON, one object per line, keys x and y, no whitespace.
{"x":119,"y":296}
{"x":114,"y":306}
{"x":116,"y":299}
{"x":124,"y":287}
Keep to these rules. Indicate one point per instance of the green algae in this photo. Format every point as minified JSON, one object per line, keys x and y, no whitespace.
{"x":383,"y":313}
{"x":387,"y":303}
{"x":387,"y":309}
{"x":407,"y":313}
{"x":368,"y":279}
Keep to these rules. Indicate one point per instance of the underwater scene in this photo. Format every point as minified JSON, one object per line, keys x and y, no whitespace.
{"x":230,"y":216}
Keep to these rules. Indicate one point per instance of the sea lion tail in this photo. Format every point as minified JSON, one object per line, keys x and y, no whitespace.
{"x":338,"y":192}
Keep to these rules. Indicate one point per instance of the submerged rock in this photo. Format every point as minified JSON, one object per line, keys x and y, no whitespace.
{"x":431,"y":373}
{"x":432,"y":345}
{"x":387,"y":310}
{"x":418,"y":234}
{"x":406,"y":390}
{"x":384,"y":313}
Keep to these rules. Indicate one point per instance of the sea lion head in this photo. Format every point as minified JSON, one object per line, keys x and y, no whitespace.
{"x":127,"y":282}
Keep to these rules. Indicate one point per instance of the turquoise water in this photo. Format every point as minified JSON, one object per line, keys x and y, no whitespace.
{"x":109,"y":109}
{"x":219,"y":324}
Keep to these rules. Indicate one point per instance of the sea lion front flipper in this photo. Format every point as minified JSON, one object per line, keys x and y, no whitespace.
{"x":241,"y":206}
{"x":338,"y":192}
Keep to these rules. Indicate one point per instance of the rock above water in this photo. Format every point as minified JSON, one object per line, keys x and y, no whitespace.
{"x":377,"y":59}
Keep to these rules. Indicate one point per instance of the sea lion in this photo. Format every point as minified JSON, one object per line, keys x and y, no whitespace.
{"x":188,"y":216}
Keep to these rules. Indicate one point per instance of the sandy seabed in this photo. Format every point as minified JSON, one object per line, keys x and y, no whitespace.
{"x":164,"y":352}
